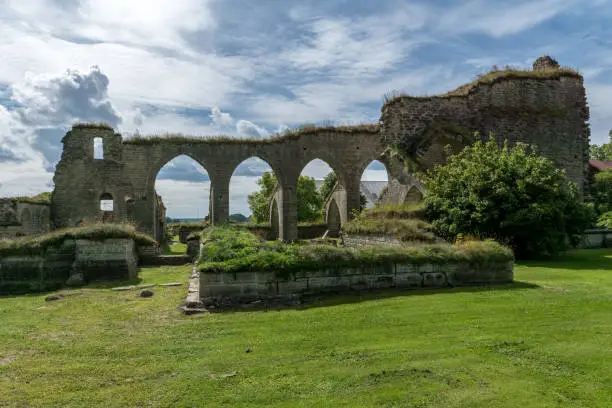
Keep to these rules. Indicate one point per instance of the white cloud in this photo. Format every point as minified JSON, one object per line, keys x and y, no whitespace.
{"x":184,"y":199}
{"x":316,"y":169}
{"x":59,"y":100}
{"x":248,"y":129}
{"x":220,"y":118}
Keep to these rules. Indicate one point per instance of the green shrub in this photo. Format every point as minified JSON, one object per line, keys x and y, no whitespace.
{"x":33,"y":245}
{"x":605,"y":220}
{"x":512,"y":195}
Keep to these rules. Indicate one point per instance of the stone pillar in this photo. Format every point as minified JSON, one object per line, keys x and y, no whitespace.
{"x":352,"y":184}
{"x":288,"y":230}
{"x":219,"y":198}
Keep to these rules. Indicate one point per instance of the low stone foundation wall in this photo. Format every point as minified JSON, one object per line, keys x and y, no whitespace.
{"x":355,"y":241}
{"x":108,"y":259}
{"x":596,"y":238}
{"x":247,"y":286}
{"x":147,"y":254}
{"x":193,"y":247}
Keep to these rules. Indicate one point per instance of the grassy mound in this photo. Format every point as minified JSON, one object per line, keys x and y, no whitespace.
{"x":230,"y":249}
{"x":34,"y":245}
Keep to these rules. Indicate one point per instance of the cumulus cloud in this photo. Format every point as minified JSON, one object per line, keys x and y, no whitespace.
{"x":220,"y":118}
{"x":248,"y":129}
{"x":58,"y":100}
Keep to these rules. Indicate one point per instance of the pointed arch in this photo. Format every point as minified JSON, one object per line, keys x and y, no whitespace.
{"x":373,"y":183}
{"x":333,"y":219}
{"x":252,"y":185}
{"x":413,"y":196}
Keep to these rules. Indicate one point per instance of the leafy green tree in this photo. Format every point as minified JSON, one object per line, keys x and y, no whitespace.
{"x":308,"y":199}
{"x":602,"y":192}
{"x":259,"y":201}
{"x":603,"y":152}
{"x":512,"y":195}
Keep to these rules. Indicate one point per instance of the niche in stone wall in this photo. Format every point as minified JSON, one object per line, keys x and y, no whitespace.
{"x":98,"y":148}
{"x":413,"y":196}
{"x":107,"y":207}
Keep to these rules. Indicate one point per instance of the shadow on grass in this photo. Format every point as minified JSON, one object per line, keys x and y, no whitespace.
{"x":342,"y":298}
{"x":580,"y":259}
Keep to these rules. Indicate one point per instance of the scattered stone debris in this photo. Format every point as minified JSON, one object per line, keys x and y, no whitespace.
{"x":145,"y":293}
{"x":51,"y":298}
{"x":76,"y":280}
{"x":222,"y":376}
{"x":171,"y":284}
{"x":132,"y":287}
{"x":6,"y":360}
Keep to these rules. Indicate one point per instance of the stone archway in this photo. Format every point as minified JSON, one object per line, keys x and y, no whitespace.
{"x":333,"y":219}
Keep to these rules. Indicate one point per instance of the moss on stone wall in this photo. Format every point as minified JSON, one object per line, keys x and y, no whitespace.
{"x":290,"y":134}
{"x":36,"y":245}
{"x":42,"y":198}
{"x":490,"y":78}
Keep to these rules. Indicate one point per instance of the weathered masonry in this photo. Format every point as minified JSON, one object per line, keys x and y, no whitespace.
{"x":546,"y":106}
{"x":123,"y":181}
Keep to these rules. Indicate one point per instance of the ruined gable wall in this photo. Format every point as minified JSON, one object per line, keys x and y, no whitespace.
{"x":551,"y":113}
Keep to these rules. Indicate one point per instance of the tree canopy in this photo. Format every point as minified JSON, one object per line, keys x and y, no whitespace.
{"x":602,"y":152}
{"x":512,"y":195}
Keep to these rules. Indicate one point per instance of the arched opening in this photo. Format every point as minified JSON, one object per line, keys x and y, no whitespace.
{"x":26,"y":220}
{"x":45,"y":220}
{"x":334,"y":220}
{"x":98,"y":148}
{"x":252,"y":186}
{"x":181,"y":202}
{"x":373,"y":183}
{"x":107,"y":207}
{"x":316,"y":186}
{"x":413,"y":196}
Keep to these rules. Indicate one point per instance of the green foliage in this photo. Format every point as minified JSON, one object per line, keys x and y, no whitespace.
{"x":602,"y":152}
{"x":308,"y":199}
{"x":230,"y":249}
{"x":602,"y":192}
{"x":402,"y":211}
{"x":42,"y":198}
{"x":403,"y":229}
{"x":33,"y":245}
{"x":240,"y":218}
{"x":327,"y":188}
{"x":605,"y":220}
{"x":509,"y":194}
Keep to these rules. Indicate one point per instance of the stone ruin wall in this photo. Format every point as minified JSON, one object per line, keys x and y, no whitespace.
{"x":18,"y":218}
{"x":551,"y":113}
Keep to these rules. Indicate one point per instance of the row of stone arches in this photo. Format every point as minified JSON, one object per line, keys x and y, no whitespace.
{"x":188,"y":195}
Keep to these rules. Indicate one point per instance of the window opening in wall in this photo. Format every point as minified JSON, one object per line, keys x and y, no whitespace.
{"x":106,"y":202}
{"x":98,"y":145}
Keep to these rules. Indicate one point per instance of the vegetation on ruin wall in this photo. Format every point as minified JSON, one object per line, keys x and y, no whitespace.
{"x":491,"y":77}
{"x":397,"y":211}
{"x":42,"y":198}
{"x":92,"y":125}
{"x":229,"y":250}
{"x":406,"y":230}
{"x":37,"y":245}
{"x":289,"y":134}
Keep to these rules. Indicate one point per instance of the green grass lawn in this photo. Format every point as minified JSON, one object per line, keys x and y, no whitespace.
{"x":544,"y":342}
{"x":176,"y":248}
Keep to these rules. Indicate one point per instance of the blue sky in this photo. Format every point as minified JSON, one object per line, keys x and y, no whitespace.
{"x":248,"y":69}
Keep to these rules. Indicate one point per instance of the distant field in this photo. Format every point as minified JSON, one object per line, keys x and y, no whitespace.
{"x":544,"y":341}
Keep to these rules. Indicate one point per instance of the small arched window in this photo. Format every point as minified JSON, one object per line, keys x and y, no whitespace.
{"x":98,"y":148}
{"x":106,"y":202}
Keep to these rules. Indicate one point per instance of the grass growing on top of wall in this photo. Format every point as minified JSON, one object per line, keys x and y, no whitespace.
{"x":495,"y":75}
{"x":33,"y":245}
{"x":289,"y":134}
{"x":401,"y":211}
{"x":229,"y":249}
{"x":403,"y":229}
{"x":42,"y":198}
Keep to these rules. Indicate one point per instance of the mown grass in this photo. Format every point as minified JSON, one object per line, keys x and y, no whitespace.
{"x":37,"y":244}
{"x":542,"y":342}
{"x":174,"y":247}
